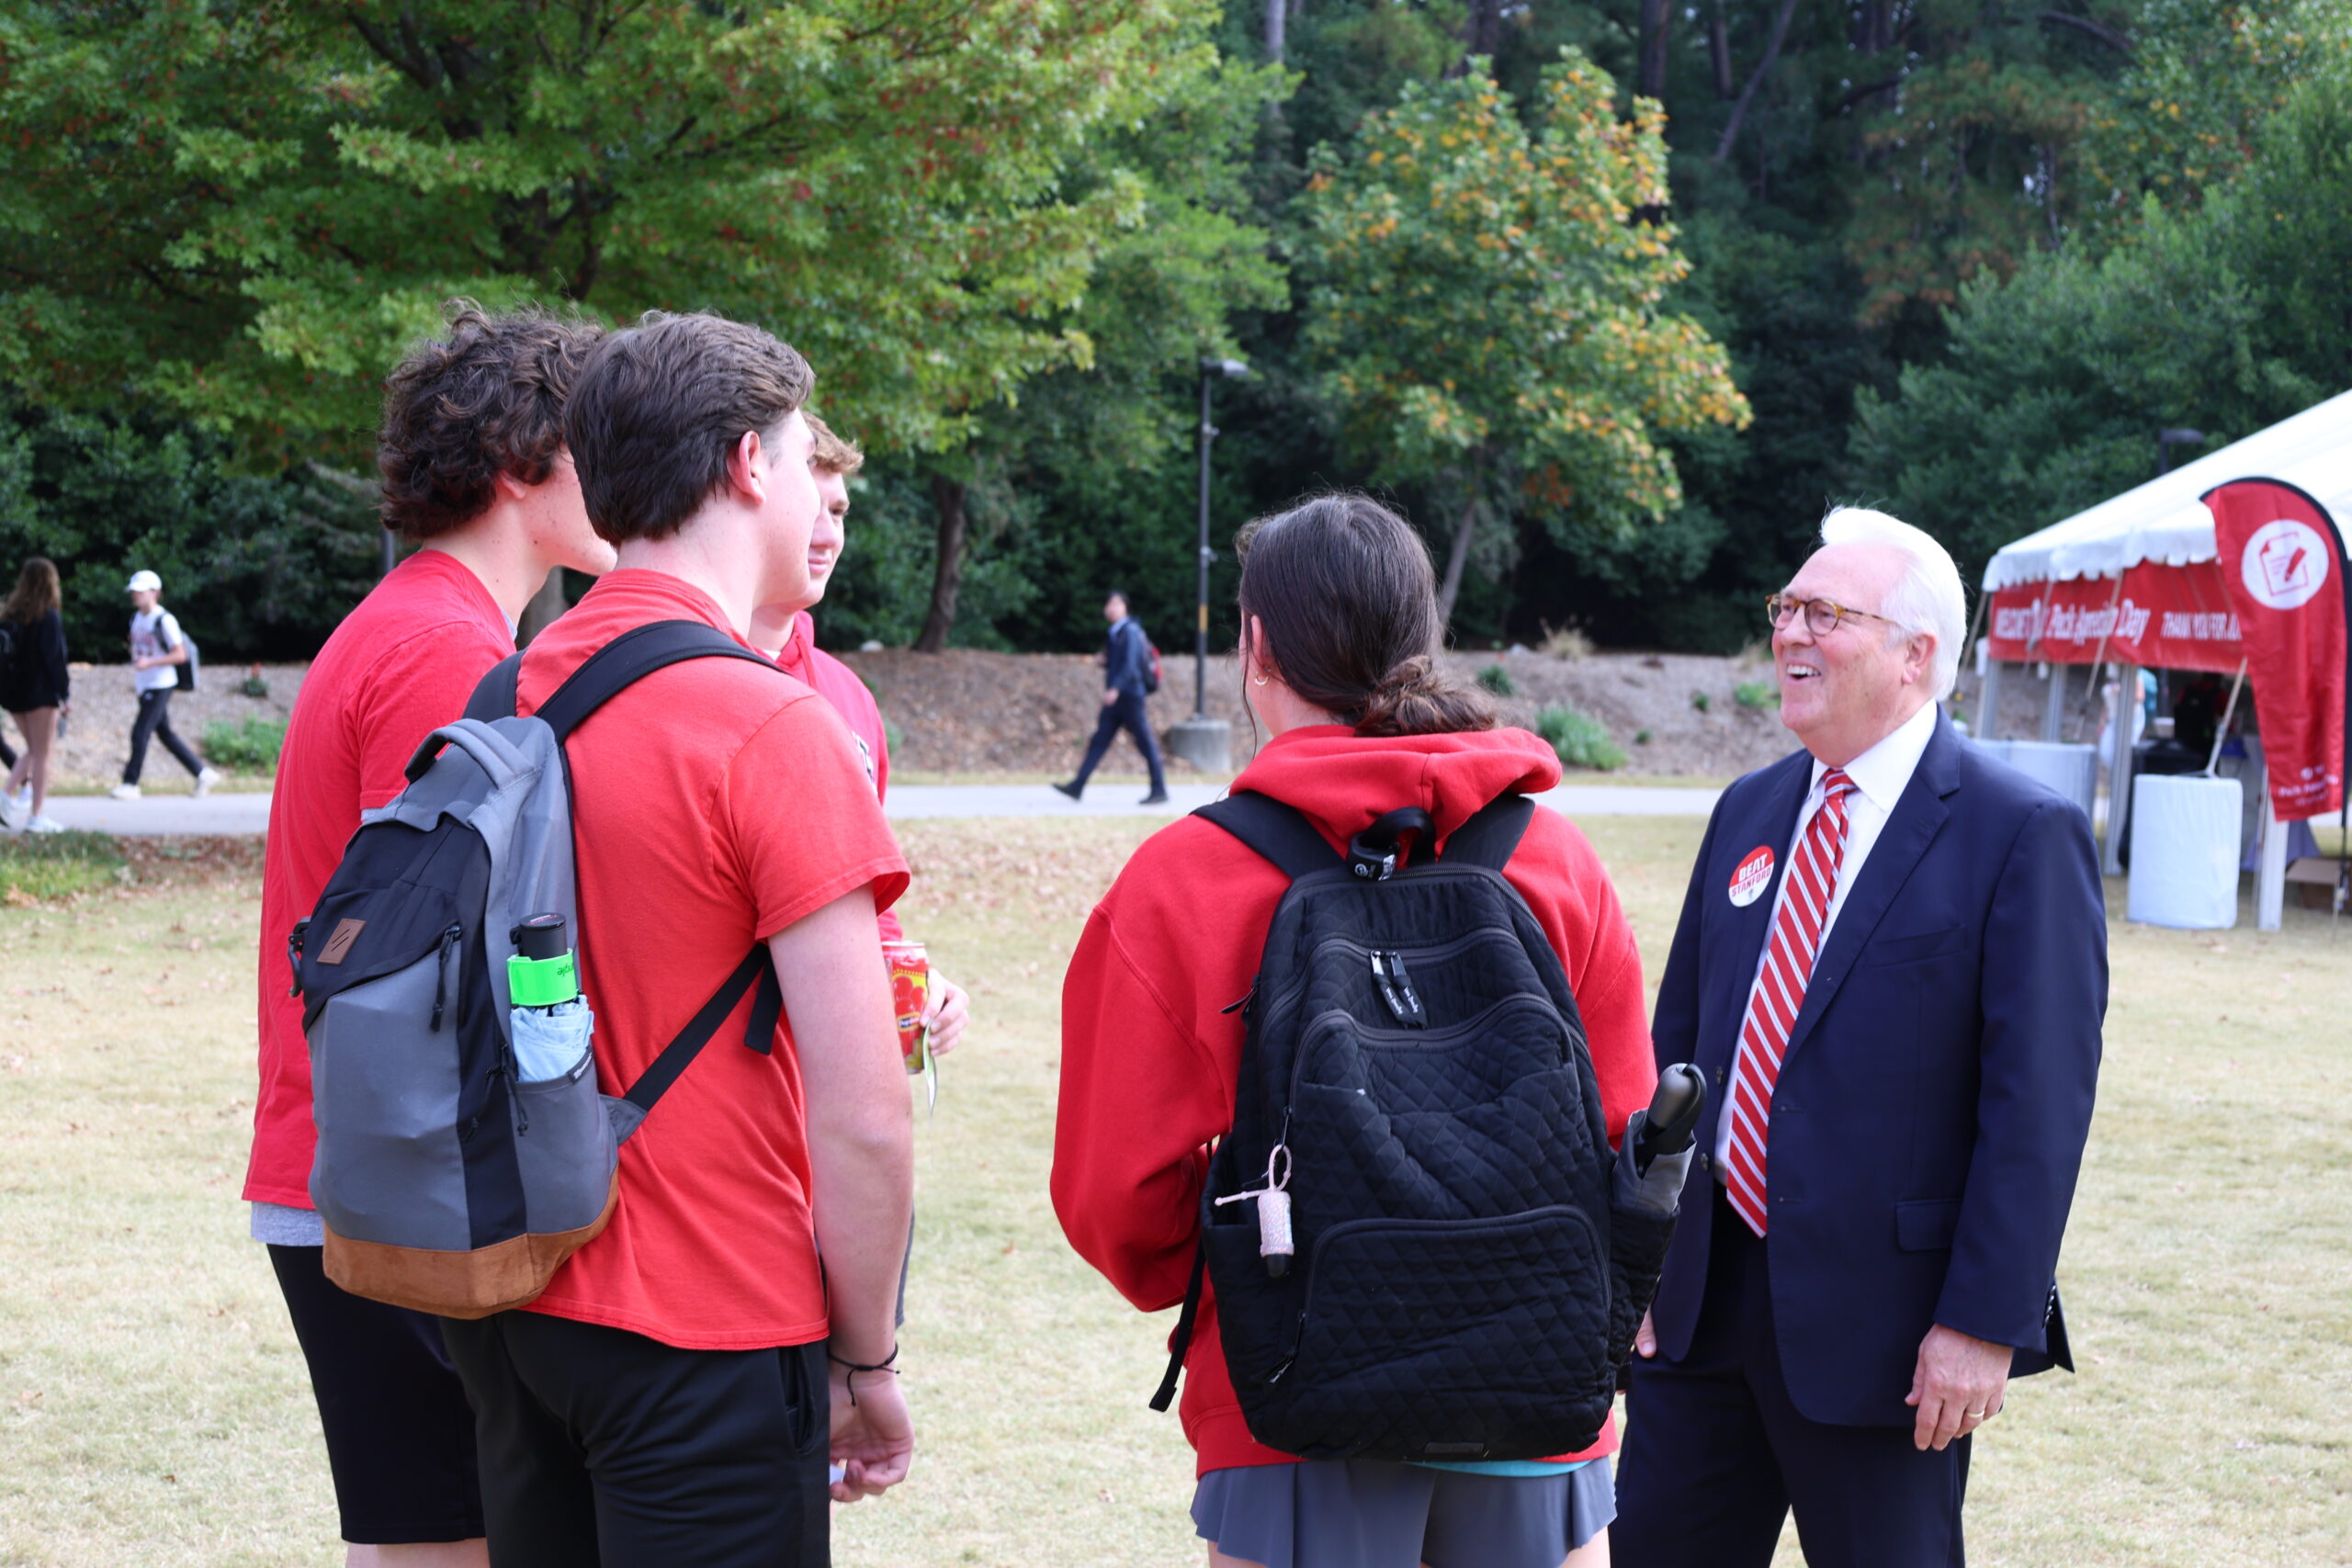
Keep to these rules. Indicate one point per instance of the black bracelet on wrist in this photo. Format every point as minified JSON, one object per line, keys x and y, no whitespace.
{"x":850,"y":1368}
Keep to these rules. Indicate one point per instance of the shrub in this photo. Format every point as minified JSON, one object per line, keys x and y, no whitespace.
{"x":249,"y":746}
{"x":1569,"y":644}
{"x":34,"y":867}
{"x":1700,"y":701}
{"x":1497,"y":678}
{"x":1582,"y":741}
{"x":254,"y":567}
{"x":1641,"y":738}
{"x":1757,"y":694}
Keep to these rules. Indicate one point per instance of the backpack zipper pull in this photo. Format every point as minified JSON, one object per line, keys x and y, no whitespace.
{"x":294,"y":955}
{"x":441,"y":973}
{"x":1397,"y":989}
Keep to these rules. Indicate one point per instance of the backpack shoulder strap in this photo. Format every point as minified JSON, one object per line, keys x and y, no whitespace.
{"x":494,"y":696}
{"x":755,"y":973}
{"x":1279,"y":832}
{"x":1182,"y":1340}
{"x":630,"y":658}
{"x":1491,"y":835}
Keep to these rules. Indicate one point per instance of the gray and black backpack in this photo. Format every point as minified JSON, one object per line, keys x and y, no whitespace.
{"x":450,"y":1179}
{"x":1438,"y":1274}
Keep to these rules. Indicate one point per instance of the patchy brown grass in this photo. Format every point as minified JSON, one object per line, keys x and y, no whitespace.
{"x":153,"y":1408}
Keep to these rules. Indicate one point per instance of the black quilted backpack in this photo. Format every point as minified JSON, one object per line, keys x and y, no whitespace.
{"x":1432,"y":1276}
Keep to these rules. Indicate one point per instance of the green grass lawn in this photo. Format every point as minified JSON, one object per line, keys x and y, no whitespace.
{"x":153,"y":1408}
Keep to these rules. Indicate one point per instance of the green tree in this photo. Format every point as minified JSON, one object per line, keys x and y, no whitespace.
{"x":1488,"y":304}
{"x":1161,"y":292}
{"x":250,"y":211}
{"x":255,"y":568}
{"x":2227,"y":317}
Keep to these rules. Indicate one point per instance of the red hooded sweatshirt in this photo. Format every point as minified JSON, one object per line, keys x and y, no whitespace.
{"x":1150,"y":1056}
{"x":801,"y":659}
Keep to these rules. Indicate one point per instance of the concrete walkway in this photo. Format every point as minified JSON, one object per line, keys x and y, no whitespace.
{"x":162,"y":814}
{"x":180,"y":814}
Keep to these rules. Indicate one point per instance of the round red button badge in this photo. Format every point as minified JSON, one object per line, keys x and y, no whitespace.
{"x":1755,"y":875}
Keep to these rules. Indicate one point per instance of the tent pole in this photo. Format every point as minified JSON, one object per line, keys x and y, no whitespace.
{"x":2119,"y":766}
{"x":1988,"y":700}
{"x":2229,"y":711}
{"x":2053,"y":714}
{"x":2270,"y":872}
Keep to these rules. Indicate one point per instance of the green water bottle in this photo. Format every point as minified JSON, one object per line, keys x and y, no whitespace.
{"x":542,"y":973}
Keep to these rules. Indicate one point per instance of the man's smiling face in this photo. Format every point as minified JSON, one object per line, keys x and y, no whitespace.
{"x":1844,"y":693}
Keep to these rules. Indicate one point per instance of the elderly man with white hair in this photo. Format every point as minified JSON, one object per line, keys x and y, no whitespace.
{"x":1892,"y":969}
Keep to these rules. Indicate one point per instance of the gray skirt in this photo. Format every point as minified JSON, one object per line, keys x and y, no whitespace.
{"x":1360,"y":1513}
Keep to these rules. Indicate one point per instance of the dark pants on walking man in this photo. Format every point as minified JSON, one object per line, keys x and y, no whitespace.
{"x":154,"y":722}
{"x":1127,"y":713}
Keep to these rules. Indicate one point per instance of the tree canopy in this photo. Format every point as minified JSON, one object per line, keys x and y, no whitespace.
{"x":248,"y":212}
{"x":1487,"y":303}
{"x":1685,"y":273}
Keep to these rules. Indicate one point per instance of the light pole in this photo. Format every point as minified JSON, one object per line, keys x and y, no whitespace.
{"x":1206,"y":742}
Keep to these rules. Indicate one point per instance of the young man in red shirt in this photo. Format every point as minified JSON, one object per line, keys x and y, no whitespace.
{"x":474,"y":468}
{"x":788,"y":634}
{"x":667,"y":1400}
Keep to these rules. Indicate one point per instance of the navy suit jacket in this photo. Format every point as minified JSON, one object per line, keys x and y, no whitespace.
{"x":1124,"y":654}
{"x":1929,"y":1118}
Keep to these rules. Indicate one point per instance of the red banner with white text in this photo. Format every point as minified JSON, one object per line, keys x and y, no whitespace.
{"x":2158,"y":616}
{"x":2282,"y":563}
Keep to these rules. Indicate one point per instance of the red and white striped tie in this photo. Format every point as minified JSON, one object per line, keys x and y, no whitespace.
{"x":1779,"y":993}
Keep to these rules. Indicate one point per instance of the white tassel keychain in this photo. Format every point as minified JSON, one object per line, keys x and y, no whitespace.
{"x":1274,"y":1244}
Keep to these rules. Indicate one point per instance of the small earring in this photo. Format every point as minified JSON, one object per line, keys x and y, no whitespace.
{"x":1256,"y":679}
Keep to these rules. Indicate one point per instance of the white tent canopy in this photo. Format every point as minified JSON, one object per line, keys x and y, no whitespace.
{"x":2164,"y":520}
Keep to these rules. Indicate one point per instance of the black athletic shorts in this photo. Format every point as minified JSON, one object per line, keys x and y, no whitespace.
{"x":603,"y":1449}
{"x":399,"y":1433}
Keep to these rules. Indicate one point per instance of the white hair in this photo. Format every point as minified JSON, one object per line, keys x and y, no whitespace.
{"x":1927,"y":598}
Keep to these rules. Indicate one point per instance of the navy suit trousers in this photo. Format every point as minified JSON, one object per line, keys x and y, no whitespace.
{"x":1715,"y":1454}
{"x":1129,"y":714}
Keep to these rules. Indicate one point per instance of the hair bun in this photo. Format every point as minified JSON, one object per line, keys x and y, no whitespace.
{"x":1406,"y":675}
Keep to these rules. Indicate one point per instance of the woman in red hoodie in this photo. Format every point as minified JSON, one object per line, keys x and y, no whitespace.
{"x":1338,"y":643}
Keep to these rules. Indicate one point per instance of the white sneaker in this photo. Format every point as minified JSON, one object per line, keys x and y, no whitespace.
{"x":15,"y":808}
{"x":204,"y":780}
{"x":44,"y":825}
{"x":123,"y":792}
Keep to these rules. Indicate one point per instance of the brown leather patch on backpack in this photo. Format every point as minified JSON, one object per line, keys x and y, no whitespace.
{"x":338,"y":946}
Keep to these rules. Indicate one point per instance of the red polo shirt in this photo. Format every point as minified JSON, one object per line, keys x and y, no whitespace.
{"x":402,"y":664}
{"x":715,"y":804}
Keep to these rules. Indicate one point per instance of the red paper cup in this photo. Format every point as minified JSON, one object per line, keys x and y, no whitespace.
{"x":909,"y":993}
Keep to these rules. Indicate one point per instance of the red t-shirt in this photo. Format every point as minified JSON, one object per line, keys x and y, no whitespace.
{"x":690,"y":852}
{"x":399,"y":666}
{"x":838,"y":685}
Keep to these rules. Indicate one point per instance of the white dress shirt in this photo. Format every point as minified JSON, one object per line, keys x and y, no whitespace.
{"x":1881,"y":776}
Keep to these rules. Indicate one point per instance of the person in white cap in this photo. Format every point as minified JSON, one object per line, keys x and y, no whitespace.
{"x":157,"y":651}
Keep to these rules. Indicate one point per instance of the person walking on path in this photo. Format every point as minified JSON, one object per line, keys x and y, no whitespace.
{"x":788,"y":634}
{"x":35,"y":690}
{"x":1127,"y":666}
{"x":473,"y":469}
{"x":672,"y":1397}
{"x":157,"y":651}
{"x":1891,"y":965}
{"x":1341,"y":635}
